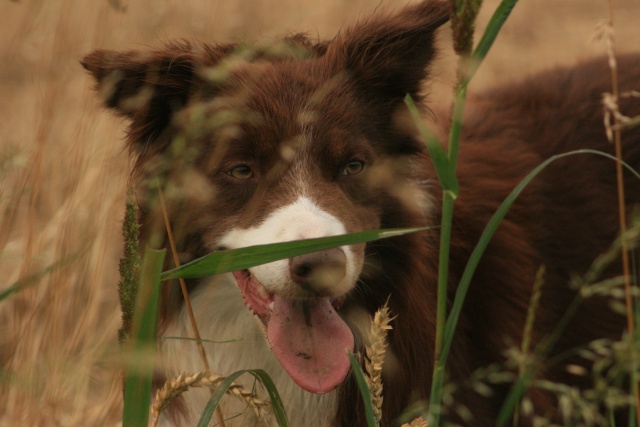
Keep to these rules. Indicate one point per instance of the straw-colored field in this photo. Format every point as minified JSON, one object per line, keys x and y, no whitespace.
{"x":63,"y":170}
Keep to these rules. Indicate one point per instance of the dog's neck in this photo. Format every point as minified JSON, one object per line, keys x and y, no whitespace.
{"x":234,"y":341}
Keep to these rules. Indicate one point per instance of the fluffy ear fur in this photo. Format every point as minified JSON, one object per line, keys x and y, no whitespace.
{"x":387,"y":56}
{"x":148,"y":87}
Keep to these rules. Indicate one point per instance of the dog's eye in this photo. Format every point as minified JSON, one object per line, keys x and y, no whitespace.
{"x":241,"y":172}
{"x":353,"y":167}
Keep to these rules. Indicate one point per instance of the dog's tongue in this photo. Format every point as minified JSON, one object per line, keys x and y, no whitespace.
{"x":309,"y":339}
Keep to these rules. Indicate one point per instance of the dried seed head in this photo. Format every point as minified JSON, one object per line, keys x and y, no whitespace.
{"x":375,"y":351}
{"x":175,"y":387}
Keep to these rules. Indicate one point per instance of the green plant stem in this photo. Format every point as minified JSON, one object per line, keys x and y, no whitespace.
{"x":456,"y":121}
{"x":140,"y":347}
{"x":443,"y":270}
{"x":446,"y":222}
{"x":441,"y":313}
{"x":437,"y":383}
{"x":445,"y":327}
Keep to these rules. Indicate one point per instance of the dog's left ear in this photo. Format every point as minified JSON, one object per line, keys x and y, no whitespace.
{"x":387,"y":56}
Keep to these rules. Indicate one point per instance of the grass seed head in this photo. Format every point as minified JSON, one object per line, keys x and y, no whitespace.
{"x":175,"y":387}
{"x":375,"y":352}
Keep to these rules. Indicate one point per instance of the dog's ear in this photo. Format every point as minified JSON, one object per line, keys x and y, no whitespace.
{"x":388,"y":56}
{"x":149,"y":87}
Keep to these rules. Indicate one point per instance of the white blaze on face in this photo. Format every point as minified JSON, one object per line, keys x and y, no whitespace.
{"x":302,"y":219}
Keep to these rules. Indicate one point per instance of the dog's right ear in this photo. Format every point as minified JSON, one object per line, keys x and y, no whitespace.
{"x":149,"y":87}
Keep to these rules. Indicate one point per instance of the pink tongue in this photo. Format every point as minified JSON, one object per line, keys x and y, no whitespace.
{"x":309,"y":339}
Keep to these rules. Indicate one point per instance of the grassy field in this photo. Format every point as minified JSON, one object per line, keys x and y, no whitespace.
{"x":63,"y":171}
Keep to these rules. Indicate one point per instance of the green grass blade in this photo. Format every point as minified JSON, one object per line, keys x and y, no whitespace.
{"x":263,"y":377}
{"x":238,"y":259}
{"x":446,"y":225}
{"x":456,"y":125}
{"x":446,"y":173}
{"x":498,"y":19}
{"x":274,"y":396}
{"x":437,"y":387}
{"x":463,"y":286}
{"x":364,"y":391}
{"x":467,"y":68}
{"x":494,"y":26}
{"x":140,"y":350}
{"x":488,"y":233}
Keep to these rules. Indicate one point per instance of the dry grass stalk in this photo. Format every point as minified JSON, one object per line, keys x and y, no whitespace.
{"x":612,"y":111}
{"x":175,"y":387}
{"x":183,"y":286}
{"x":616,"y":138}
{"x":185,"y":295}
{"x":375,"y":357}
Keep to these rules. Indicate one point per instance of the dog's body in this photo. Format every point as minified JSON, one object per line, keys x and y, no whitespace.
{"x":316,"y":142}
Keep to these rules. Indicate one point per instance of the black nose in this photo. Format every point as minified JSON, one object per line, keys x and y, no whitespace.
{"x":320,"y":271}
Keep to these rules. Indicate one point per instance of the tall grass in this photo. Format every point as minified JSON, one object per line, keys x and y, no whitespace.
{"x":63,"y":171}
{"x":465,"y":12}
{"x":464,"y":16}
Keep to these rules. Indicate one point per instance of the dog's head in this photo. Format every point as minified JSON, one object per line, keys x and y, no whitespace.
{"x":273,"y":143}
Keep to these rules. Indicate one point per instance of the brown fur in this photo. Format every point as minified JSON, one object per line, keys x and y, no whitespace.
{"x":563,"y":220}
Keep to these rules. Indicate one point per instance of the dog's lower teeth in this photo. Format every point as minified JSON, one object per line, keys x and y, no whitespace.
{"x":263,"y":292}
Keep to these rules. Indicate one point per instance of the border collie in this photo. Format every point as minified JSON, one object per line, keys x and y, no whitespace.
{"x":302,"y":139}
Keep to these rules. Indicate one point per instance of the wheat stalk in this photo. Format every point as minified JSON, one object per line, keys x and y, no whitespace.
{"x":175,"y":387}
{"x":374,"y":360}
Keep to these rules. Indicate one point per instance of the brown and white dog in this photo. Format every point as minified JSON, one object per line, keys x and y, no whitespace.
{"x":301,"y":139}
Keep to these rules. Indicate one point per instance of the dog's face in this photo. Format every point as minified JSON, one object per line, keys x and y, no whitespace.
{"x":279,"y":143}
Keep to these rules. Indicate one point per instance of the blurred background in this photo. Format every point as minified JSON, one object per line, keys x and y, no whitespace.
{"x":63,"y":170}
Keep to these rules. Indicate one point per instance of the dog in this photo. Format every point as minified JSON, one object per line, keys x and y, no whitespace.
{"x":302,"y":139}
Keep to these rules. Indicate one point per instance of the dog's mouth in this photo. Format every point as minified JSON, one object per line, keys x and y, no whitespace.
{"x":307,"y":336}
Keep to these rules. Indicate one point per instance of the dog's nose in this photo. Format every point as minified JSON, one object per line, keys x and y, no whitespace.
{"x":319,"y":272}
